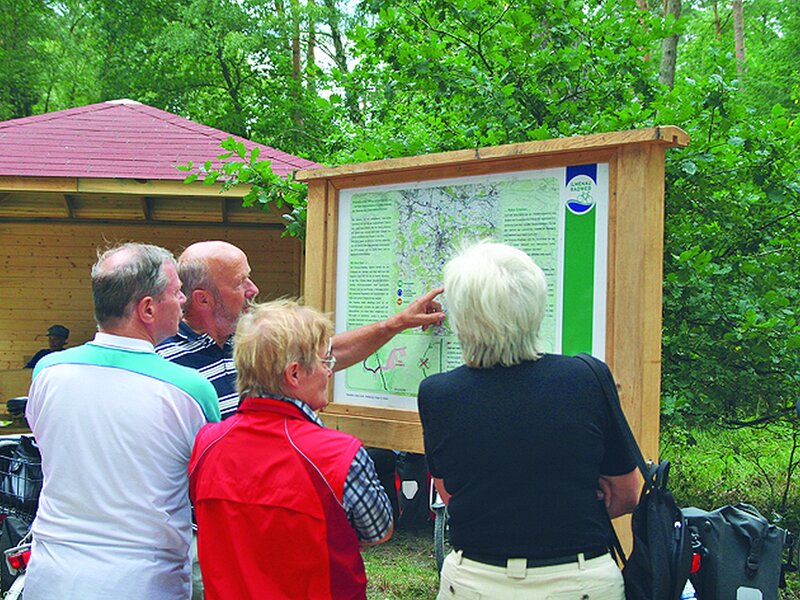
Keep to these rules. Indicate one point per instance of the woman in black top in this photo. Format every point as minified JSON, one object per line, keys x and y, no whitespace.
{"x":521,"y":445}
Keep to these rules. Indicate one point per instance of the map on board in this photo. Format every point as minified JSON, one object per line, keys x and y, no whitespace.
{"x":393,"y":244}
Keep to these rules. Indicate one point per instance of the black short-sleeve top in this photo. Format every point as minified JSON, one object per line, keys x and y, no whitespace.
{"x":521,"y":449}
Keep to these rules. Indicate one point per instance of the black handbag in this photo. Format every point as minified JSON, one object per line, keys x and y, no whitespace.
{"x":659,"y":564}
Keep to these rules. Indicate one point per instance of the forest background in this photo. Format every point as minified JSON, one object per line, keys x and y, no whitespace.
{"x":341,"y":82}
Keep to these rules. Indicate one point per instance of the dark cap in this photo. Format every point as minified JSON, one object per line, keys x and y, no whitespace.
{"x":58,"y":331}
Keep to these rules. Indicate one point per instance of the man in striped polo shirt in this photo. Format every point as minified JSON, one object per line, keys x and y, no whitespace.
{"x":218,"y":288}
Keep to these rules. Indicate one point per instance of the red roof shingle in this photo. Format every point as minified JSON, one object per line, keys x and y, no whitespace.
{"x":120,"y":139}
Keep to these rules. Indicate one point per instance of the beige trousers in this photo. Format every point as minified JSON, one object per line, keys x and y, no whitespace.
{"x":595,"y":579}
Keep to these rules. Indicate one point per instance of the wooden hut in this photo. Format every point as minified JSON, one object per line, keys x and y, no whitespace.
{"x":77,"y":180}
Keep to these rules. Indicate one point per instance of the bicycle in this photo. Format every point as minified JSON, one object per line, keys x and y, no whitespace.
{"x":441,"y":528}
{"x":17,"y":559}
{"x":20,"y":485}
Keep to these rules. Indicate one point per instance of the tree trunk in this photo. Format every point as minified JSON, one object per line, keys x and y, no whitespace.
{"x":642,"y":5}
{"x":738,"y":34}
{"x":340,"y":58}
{"x":717,"y":25}
{"x":297,"y":75}
{"x":311,"y":48}
{"x":296,"y":66}
{"x":280,"y":9}
{"x":669,"y":46}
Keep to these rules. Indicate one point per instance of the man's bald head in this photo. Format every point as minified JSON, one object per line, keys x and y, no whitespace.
{"x":220,"y":274}
{"x":200,"y":262}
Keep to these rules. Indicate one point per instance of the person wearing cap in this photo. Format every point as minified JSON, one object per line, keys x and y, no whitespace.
{"x":57,"y":336}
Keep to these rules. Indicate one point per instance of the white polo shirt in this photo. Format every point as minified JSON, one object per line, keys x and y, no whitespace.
{"x":115,"y":424}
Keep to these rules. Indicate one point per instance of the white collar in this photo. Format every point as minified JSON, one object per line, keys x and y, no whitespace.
{"x":125,"y":343}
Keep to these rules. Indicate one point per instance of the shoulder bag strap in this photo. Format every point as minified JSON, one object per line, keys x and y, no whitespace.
{"x":612,"y":397}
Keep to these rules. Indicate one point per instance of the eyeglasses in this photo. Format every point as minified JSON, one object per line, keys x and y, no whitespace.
{"x":330,"y":360}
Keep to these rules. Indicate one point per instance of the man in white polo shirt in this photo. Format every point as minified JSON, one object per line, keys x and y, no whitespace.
{"x":115,"y":424}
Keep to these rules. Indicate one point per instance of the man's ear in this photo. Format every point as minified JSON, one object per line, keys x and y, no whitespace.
{"x":291,"y":376}
{"x":146,"y":309}
{"x":201,"y":297}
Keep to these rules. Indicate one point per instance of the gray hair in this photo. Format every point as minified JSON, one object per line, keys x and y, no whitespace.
{"x":194,"y":274}
{"x":496,"y":298}
{"x":117,"y":288}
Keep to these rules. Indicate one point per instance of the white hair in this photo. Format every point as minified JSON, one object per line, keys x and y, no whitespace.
{"x":496,"y":297}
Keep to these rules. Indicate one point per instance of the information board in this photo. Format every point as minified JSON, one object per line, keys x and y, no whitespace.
{"x":588,"y":209}
{"x":394,"y":241}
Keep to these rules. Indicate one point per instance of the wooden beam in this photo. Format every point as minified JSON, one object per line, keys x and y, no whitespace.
{"x":316,"y":230}
{"x":69,"y":204}
{"x":666,"y":136}
{"x":476,"y":168}
{"x":381,"y":433}
{"x":136,"y":187}
{"x":146,"y":208}
{"x":88,"y":221}
{"x":156,"y":188}
{"x":38,"y":184}
{"x":635,"y":263}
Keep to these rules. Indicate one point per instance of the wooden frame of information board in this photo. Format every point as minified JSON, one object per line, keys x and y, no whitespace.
{"x":635,"y":219}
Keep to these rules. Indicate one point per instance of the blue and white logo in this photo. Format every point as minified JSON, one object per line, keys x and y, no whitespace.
{"x":580,"y":194}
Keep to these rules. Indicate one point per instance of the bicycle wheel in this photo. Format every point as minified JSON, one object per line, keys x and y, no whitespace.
{"x":441,"y":536}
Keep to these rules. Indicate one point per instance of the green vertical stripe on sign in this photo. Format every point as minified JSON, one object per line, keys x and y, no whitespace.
{"x":578,"y":304}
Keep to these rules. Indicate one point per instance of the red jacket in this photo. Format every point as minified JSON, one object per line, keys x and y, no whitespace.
{"x":267,"y":487}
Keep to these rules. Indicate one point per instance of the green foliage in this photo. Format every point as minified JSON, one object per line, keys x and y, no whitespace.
{"x":266,"y":189}
{"x":23,"y":25}
{"x":730,"y":289}
{"x":471,"y":73}
{"x":402,"y":77}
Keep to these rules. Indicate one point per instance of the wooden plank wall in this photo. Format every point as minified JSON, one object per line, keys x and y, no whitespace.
{"x":44,"y":273}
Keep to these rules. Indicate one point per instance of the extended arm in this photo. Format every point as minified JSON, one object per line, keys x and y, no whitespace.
{"x":354,"y":346}
{"x":620,"y":493}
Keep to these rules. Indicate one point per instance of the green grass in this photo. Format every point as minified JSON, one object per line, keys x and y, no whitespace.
{"x":714,"y":467}
{"x":403,"y":568}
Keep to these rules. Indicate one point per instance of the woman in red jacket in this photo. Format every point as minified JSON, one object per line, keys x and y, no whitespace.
{"x":282,"y":503}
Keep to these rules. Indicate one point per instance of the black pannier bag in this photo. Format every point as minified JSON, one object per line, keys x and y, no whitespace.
{"x":12,"y":530}
{"x":742,"y":553}
{"x":659,"y":564}
{"x":414,"y":504}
